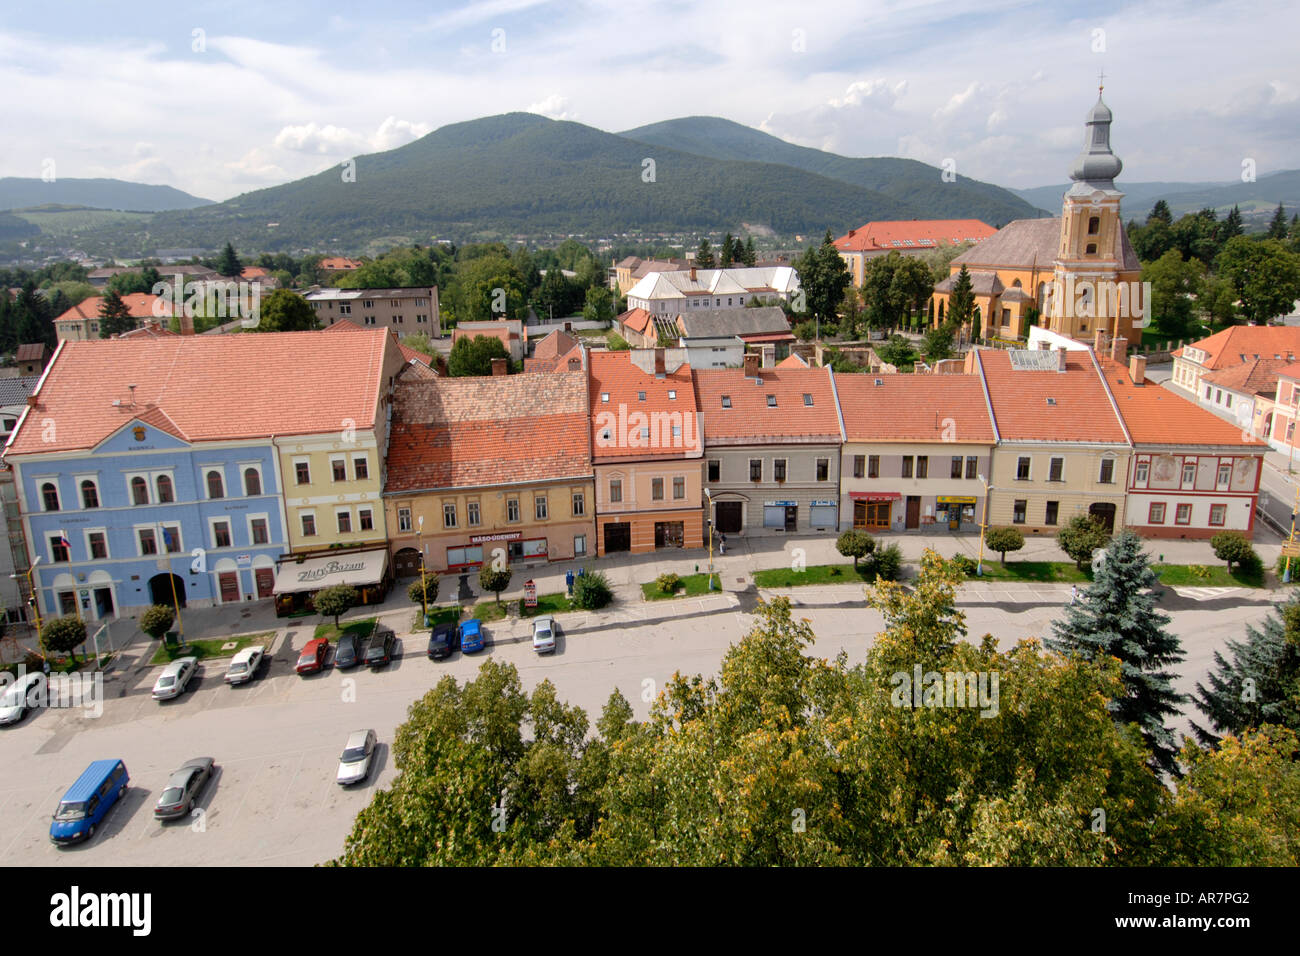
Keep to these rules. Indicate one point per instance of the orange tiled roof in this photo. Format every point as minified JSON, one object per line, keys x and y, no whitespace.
{"x":254,"y":272}
{"x":339,"y":263}
{"x":1080,"y":410}
{"x":918,"y":408}
{"x":1253,"y":341}
{"x":212,"y":388}
{"x":492,"y":430}
{"x":346,"y":325}
{"x":793,"y":360}
{"x":139,"y":304}
{"x":912,"y":234}
{"x":615,"y":375}
{"x":751,"y":420}
{"x":1258,"y":376}
{"x":1156,"y":415}
{"x":638,"y":320}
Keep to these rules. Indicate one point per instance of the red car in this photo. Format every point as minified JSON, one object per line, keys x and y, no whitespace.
{"x":312,"y":658}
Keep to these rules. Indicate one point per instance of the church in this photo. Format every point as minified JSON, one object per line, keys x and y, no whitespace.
{"x":1073,"y":274}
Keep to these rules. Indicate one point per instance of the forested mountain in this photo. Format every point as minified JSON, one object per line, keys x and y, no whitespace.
{"x":22,"y":193}
{"x":1256,"y":200}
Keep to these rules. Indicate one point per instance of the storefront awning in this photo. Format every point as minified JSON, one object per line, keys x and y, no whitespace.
{"x":358,"y":568}
{"x":874,"y":496}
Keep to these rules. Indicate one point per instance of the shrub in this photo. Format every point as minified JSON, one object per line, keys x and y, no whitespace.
{"x":1003,"y":540}
{"x":591,"y":591}
{"x":616,"y":343}
{"x":335,"y":600}
{"x":64,"y":635}
{"x":157,"y":620}
{"x":855,"y":544}
{"x":887,"y":563}
{"x":493,"y":579}
{"x":1081,"y":536}
{"x":430,"y":585}
{"x":805,"y":331}
{"x":667,"y":582}
{"x":963,"y":563}
{"x":1232,"y":546}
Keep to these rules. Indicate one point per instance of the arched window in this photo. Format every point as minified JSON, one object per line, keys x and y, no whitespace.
{"x":252,"y":482}
{"x":89,"y":494}
{"x":1094,"y":226}
{"x":164,"y":484}
{"x":216,"y":487}
{"x":941,"y":304}
{"x":50,"y":496}
{"x":139,"y":491}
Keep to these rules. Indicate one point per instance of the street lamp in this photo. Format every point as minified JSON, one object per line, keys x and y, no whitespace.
{"x":709,"y":495}
{"x":979,"y":565}
{"x":424,"y":596}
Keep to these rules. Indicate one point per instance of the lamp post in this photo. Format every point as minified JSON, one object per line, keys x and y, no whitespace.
{"x":1295,"y":506}
{"x":424,"y":596}
{"x":1295,"y":414}
{"x":709,"y":495}
{"x":979,"y":565}
{"x":36,"y":604}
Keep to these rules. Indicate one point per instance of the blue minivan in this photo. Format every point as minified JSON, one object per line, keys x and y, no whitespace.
{"x":88,"y":801}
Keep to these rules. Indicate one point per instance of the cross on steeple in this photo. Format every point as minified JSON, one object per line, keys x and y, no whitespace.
{"x":1101,"y":80}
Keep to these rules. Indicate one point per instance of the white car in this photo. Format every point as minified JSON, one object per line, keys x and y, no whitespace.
{"x":171,"y":682}
{"x":544,"y":631}
{"x":13,"y":705}
{"x":354,"y":765}
{"x":243,"y":666}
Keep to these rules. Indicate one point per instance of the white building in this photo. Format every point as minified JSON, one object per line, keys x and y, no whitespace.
{"x":675,"y":292}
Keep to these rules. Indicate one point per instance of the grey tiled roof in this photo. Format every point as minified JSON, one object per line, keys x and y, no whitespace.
{"x":14,"y":391}
{"x":707,"y":323}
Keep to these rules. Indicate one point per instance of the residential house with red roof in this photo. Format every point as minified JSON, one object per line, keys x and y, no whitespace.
{"x":647,"y":451}
{"x":1191,"y":474}
{"x":165,"y":481}
{"x":772,"y":440}
{"x":490,"y":468}
{"x":1229,"y":348}
{"x":1280,"y":425}
{"x":81,"y":322}
{"x":510,"y":332}
{"x":915,"y":447}
{"x":906,"y":237}
{"x":557,"y":351}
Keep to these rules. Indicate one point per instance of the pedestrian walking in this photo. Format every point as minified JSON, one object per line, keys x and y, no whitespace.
{"x":722,"y":544}
{"x":1074,"y":593}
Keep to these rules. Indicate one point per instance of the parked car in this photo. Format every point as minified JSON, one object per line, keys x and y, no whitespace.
{"x":171,"y":682}
{"x":183,"y":788}
{"x":380,"y":649}
{"x":88,"y":801}
{"x":312,"y":658}
{"x":471,"y":636}
{"x":444,"y":639}
{"x":347,"y":652}
{"x":13,"y":705}
{"x":545,"y":630}
{"x":243,"y":666}
{"x":354,"y":764}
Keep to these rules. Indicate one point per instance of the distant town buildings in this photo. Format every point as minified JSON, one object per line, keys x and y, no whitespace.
{"x":907,"y":237}
{"x":685,"y":290}
{"x":404,"y":310}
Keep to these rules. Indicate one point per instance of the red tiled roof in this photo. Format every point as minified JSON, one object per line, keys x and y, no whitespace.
{"x":491,"y":430}
{"x":408,"y":353}
{"x":615,"y":375}
{"x":1257,"y":376}
{"x":339,"y":263}
{"x":919,"y":408}
{"x":1080,"y":410}
{"x":554,"y":345}
{"x":213,"y":388}
{"x":139,"y":304}
{"x":1253,"y":341}
{"x":1156,"y":415}
{"x":793,"y":360}
{"x":254,"y":272}
{"x":922,"y":234}
{"x":638,"y":320}
{"x":750,"y":419}
{"x":504,"y":334}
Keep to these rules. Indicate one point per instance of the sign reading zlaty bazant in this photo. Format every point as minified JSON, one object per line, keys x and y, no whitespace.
{"x":333,"y":567}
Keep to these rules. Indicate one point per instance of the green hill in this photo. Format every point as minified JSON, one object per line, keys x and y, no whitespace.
{"x":1257,"y":200}
{"x":24,"y":193}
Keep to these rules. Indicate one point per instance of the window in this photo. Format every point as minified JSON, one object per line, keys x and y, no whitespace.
{"x":98,"y":544}
{"x":771,"y":401}
{"x":715,"y":470}
{"x":148,"y":541}
{"x":640,"y":396}
{"x":50,"y":496}
{"x":907,"y":466}
{"x":1183,"y":514}
{"x":1050,"y":512}
{"x":252,"y":482}
{"x":615,"y":490}
{"x":257,"y":531}
{"x":302,"y":472}
{"x":1225,"y":474}
{"x":656,"y":489}
{"x":604,"y":397}
{"x":726,"y":401}
{"x":139,"y":491}
{"x":171,"y":534}
{"x":1217,"y":515}
{"x":1056,"y":469}
{"x":344,"y":519}
{"x":89,"y":494}
{"x":859,"y":466}
{"x":308,"y":525}
{"x":403,"y":519}
{"x":579,"y":504}
{"x":778,"y":469}
{"x":1018,"y":511}
{"x":873,"y":466}
{"x":1094,"y":225}
{"x":972,"y":467}
{"x":221,"y":534}
{"x":539,"y":508}
{"x":1091,"y":250}
{"x":361,"y":467}
{"x":512,"y":509}
{"x":956,"y":467}
{"x":449,"y":516}
{"x":923,"y":466}
{"x":1141,"y":472}
{"x":1189,"y":472}
{"x":807,"y":399}
{"x":755,"y":469}
{"x":216,"y":486}
{"x":338,"y":469}
{"x":59,"y":548}
{"x":1156,"y":513}
{"x":166,"y":494}
{"x":1107,"y":475}
{"x":1022,"y":469}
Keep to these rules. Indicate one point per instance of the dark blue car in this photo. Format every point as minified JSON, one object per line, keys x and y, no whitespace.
{"x":444,"y":639}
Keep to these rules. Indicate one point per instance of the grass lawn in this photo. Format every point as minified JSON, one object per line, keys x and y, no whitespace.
{"x":204,"y":650}
{"x":1207,"y":576}
{"x":1049,"y":571}
{"x":361,"y":628}
{"x":64,"y":665}
{"x":438,"y":615}
{"x":694,"y":585}
{"x":813,"y":574}
{"x":549,"y":604}
{"x":489,"y":611}
{"x":1170,"y":575}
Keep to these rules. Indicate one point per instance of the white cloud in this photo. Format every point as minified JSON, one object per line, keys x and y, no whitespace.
{"x":554,"y":106}
{"x":322,"y":140}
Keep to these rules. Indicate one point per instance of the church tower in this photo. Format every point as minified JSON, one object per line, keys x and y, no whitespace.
{"x":1095,"y":281}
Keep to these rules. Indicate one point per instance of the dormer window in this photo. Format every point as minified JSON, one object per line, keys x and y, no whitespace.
{"x":640,"y":396}
{"x":807,"y":399}
{"x":604,"y":396}
{"x":726,"y":401}
{"x":672,"y":394}
{"x":771,"y":401}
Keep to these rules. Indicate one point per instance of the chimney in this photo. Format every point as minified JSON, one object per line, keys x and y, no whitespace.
{"x":1099,"y":338}
{"x":751,"y":365}
{"x":692,"y":273}
{"x":499,"y":366}
{"x":852,"y":233}
{"x":660,"y":370}
{"x":187,"y":322}
{"x":1119,"y":349}
{"x":1060,"y":359}
{"x":1137,"y":369}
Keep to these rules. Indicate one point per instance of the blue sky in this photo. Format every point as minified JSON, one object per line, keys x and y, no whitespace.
{"x":220,"y":98}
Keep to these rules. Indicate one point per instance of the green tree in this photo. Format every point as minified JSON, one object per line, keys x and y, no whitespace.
{"x":823,"y":277}
{"x":727,"y":255}
{"x":855,"y":544}
{"x":421,"y":342}
{"x":896,"y":350}
{"x":1265,"y":276}
{"x":1175,"y":284}
{"x":1160,"y":213}
{"x":591,"y":590}
{"x":1081,"y":536}
{"x":474,"y":356}
{"x":157,"y":620}
{"x":961,"y":303}
{"x":1118,"y":618}
{"x":1217,"y":301}
{"x":285,"y":311}
{"x":750,"y":256}
{"x":1003,"y":540}
{"x":63,"y":635}
{"x":938,"y":342}
{"x":423,"y":592}
{"x":114,"y":316}
{"x":877,"y":291}
{"x":484,"y":284}
{"x":910,"y":287}
{"x":493,"y":579}
{"x":1277,"y":227}
{"x":228,"y":263}
{"x":1232,"y":546}
{"x":704,"y":255}
{"x":335,"y":600}
{"x":1230,"y":228}
{"x":599,"y":305}
{"x":130,"y":283}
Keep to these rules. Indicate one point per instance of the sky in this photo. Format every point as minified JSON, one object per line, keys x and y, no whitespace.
{"x":221,"y":98}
